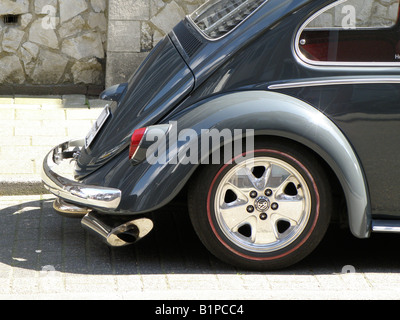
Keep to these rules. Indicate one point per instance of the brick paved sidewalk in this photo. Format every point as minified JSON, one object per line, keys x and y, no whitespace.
{"x":30,"y":126}
{"x":46,"y":256}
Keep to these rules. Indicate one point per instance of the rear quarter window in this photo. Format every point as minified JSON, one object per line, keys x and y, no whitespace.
{"x":351,"y":32}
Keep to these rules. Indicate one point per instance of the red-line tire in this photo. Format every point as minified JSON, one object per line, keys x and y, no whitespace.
{"x":262,"y":223}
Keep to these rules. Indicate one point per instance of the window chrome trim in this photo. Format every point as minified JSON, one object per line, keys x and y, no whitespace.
{"x":333,"y":82}
{"x":188,"y":17}
{"x":308,"y":62}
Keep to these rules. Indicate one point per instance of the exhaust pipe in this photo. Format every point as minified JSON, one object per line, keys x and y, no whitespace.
{"x":69,"y":210}
{"x":122,"y":235}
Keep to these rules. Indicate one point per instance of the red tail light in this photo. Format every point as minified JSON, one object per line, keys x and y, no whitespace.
{"x":135,"y":141}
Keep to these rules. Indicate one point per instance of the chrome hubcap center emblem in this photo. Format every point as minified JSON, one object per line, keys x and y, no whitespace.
{"x":262,"y":204}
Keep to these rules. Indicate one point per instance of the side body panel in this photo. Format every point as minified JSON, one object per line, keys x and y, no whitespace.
{"x":369,"y":116}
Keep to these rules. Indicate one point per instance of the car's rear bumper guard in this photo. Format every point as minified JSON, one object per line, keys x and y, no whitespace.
{"x":72,"y":190}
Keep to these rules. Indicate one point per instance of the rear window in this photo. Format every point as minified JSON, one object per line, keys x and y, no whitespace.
{"x":216,"y":18}
{"x":352,"y":32}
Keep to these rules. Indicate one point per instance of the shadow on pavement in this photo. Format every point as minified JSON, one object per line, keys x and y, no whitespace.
{"x":34,"y":237}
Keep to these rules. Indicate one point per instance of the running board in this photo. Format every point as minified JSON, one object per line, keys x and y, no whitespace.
{"x":392,"y":226}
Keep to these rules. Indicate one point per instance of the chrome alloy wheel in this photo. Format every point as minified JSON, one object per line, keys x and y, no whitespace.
{"x":262,"y":204}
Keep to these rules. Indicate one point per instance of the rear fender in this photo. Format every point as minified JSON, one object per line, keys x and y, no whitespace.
{"x":148,"y":186}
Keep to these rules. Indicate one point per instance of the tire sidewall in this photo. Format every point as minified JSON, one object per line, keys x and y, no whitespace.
{"x":218,"y":243}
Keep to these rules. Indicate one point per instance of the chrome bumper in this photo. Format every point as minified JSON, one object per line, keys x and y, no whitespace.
{"x":72,"y":190}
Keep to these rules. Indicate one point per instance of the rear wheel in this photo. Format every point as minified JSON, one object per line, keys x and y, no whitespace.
{"x":267,"y":211}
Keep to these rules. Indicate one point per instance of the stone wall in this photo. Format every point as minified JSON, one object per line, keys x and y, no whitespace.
{"x":135,"y":27}
{"x":80,"y":42}
{"x":53,"y":42}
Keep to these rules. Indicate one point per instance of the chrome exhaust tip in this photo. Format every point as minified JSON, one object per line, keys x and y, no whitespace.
{"x":119,"y":236}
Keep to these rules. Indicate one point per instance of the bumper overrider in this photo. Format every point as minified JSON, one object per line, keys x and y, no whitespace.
{"x":74,"y":191}
{"x":76,"y":199}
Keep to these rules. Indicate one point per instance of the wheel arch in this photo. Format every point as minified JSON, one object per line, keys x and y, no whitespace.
{"x":278,"y":116}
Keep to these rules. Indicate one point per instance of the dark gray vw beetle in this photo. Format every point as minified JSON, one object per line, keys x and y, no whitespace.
{"x":314,"y":86}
